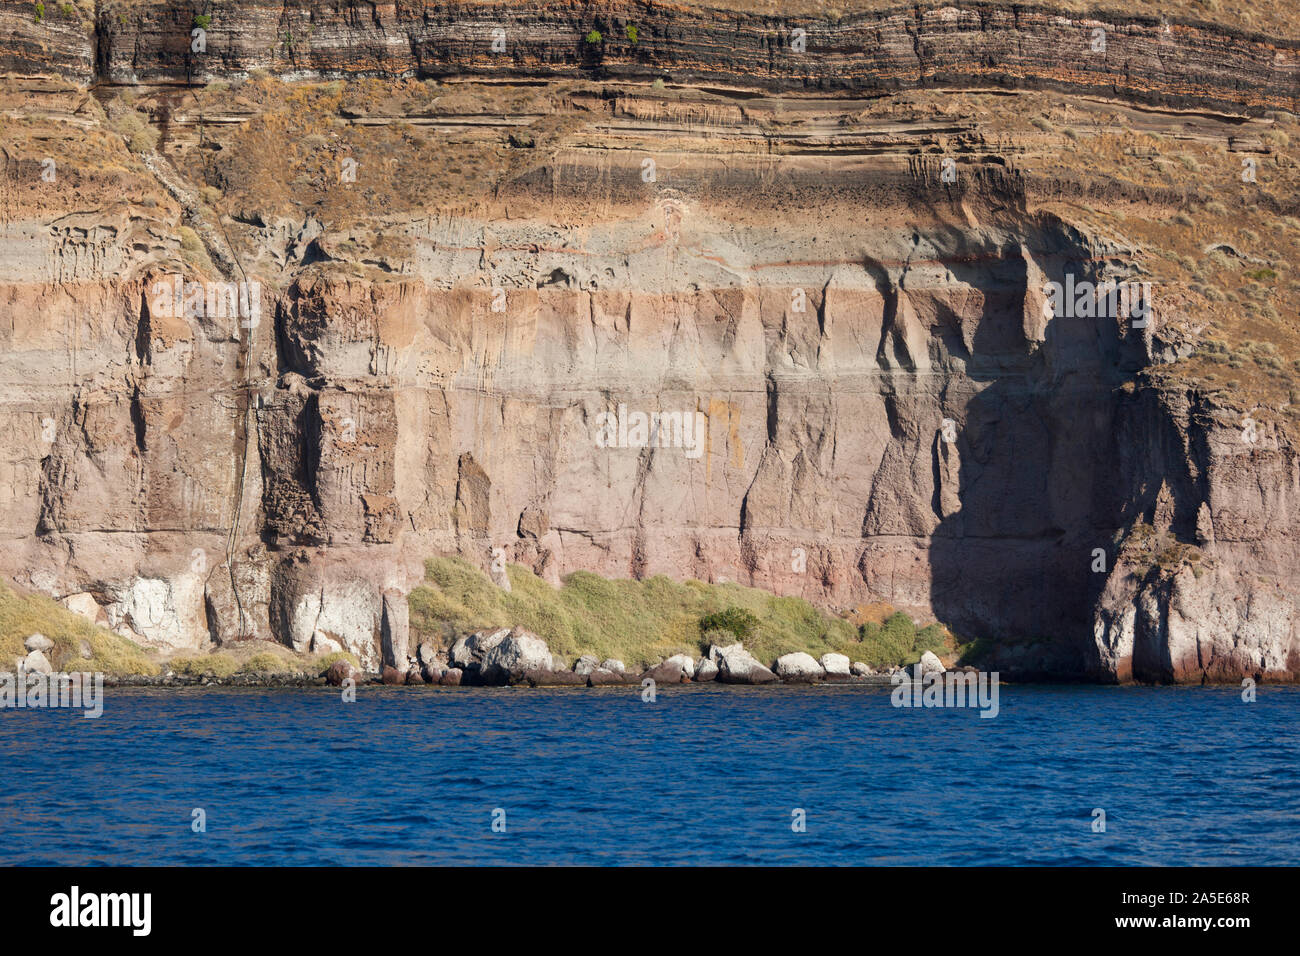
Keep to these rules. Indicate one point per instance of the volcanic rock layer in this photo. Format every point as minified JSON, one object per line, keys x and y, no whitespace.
{"x":853,"y":306}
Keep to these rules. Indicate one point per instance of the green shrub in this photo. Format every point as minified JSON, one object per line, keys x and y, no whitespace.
{"x":143,"y":140}
{"x":931,"y":638}
{"x":202,"y":20}
{"x":898,"y":627}
{"x":897,"y":642}
{"x":40,"y":12}
{"x":884,"y":646}
{"x":594,"y":37}
{"x":734,"y":619}
{"x":630,"y":32}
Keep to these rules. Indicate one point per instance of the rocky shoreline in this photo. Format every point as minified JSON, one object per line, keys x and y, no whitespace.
{"x":290,"y":681}
{"x":515,"y":657}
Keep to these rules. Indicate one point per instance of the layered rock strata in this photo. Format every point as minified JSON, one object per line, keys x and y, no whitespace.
{"x":821,"y":367}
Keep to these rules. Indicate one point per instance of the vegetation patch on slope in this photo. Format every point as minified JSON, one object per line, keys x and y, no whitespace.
{"x":642,"y":622}
{"x":255,"y":658}
{"x":24,"y":614}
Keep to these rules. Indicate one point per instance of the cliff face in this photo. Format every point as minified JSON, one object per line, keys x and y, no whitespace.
{"x":1202,"y":586}
{"x":498,"y":330}
{"x":884,"y":48}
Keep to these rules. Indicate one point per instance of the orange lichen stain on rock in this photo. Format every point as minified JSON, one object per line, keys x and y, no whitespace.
{"x":724,"y":415}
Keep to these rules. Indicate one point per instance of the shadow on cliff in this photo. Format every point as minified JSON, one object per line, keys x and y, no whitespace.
{"x":1027,"y":483}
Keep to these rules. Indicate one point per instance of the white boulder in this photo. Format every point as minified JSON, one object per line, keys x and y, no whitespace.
{"x":36,"y":663}
{"x":928,"y":664}
{"x":38,"y":642}
{"x":687,"y":664}
{"x":517,"y":653}
{"x":471,"y":650}
{"x":737,"y":666}
{"x":717,"y":651}
{"x":798,"y":667}
{"x":835,"y":665}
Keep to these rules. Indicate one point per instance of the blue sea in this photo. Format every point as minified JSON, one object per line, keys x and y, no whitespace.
{"x":702,"y":775}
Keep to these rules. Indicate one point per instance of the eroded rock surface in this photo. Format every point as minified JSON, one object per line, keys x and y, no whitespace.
{"x":816,"y":365}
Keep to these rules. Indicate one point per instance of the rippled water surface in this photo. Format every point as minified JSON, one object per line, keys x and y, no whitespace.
{"x":704,"y":775}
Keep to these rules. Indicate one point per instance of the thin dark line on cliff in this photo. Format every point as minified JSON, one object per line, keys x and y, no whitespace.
{"x":247,"y":429}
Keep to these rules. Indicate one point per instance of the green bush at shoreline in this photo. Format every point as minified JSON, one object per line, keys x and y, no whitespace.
{"x":638,"y":622}
{"x":898,"y":641}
